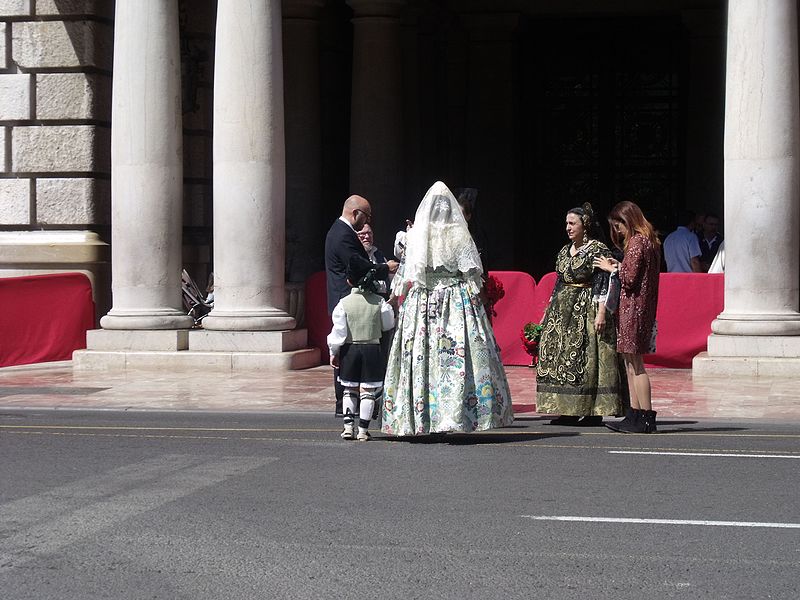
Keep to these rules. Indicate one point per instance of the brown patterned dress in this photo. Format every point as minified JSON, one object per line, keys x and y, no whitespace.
{"x":638,"y":276}
{"x":577,"y":373}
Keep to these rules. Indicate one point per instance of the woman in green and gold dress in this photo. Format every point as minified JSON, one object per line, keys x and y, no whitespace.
{"x":577,"y":375}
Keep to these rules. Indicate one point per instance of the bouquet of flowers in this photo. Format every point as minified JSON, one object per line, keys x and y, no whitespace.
{"x":494,"y":291}
{"x":530,"y":335}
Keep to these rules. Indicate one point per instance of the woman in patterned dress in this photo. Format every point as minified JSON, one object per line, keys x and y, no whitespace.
{"x":638,"y":275}
{"x":444,"y":372}
{"x":577,"y":376}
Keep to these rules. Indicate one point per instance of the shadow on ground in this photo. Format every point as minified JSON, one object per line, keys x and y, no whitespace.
{"x":476,"y":439}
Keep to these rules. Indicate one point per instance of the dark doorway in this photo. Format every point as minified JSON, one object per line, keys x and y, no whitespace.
{"x":602,"y":120}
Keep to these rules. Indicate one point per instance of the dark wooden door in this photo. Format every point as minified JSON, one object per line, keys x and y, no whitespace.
{"x":602,"y":117}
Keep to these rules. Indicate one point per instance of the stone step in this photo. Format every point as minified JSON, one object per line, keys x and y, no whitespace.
{"x":191,"y":360}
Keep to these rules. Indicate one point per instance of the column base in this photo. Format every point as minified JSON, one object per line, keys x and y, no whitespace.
{"x":775,"y":324}
{"x":146,"y":320}
{"x":137,"y":340}
{"x":763,"y":346}
{"x":256,"y":320}
{"x":247,"y":341}
{"x":704,"y":365}
{"x":188,"y":361}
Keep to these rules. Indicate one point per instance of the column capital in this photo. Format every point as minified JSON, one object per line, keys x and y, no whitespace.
{"x":301,"y":9}
{"x":376,"y":8}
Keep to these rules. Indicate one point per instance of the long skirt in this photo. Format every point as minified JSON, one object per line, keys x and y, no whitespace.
{"x":444,"y":372}
{"x":578,"y":368}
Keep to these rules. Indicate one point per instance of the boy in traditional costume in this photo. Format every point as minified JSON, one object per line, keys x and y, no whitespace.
{"x":359,"y":319}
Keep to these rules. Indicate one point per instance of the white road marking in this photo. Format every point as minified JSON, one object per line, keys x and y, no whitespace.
{"x":715,"y":454}
{"x":663,"y":521}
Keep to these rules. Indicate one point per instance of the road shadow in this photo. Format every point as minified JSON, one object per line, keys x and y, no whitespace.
{"x":476,"y":439}
{"x":695,"y":429}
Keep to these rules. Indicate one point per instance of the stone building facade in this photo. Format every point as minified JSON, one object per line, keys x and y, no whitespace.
{"x":539,"y":104}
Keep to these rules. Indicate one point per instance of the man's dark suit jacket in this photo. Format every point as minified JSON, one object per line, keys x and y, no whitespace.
{"x":340,"y":244}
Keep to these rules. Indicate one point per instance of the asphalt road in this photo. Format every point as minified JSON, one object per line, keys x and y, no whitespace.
{"x":228,"y":506}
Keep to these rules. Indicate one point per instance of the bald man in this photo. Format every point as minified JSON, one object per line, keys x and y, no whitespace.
{"x":340,"y":244}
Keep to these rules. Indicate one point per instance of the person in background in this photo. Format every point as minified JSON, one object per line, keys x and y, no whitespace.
{"x":718,"y":264}
{"x":376,"y":257}
{"x":697,"y":223}
{"x":577,"y":376}
{"x":682,"y":248}
{"x":710,"y":240}
{"x":636,"y":318}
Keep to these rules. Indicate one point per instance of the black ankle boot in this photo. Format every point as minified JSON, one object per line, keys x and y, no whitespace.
{"x":635,"y":425}
{"x":629,"y":417}
{"x":649,"y":421}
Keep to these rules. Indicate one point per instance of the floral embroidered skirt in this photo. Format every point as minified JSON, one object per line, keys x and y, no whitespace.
{"x":444,"y":372}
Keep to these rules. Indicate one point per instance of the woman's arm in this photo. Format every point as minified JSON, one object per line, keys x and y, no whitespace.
{"x":600,"y":317}
{"x":634,"y":265}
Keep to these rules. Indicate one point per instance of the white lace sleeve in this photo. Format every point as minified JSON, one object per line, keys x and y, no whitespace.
{"x":387,"y":316}
{"x":338,"y":333}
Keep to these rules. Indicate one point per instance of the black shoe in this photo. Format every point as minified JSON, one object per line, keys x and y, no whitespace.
{"x":591,"y":421}
{"x":635,"y":425}
{"x":565,"y":420}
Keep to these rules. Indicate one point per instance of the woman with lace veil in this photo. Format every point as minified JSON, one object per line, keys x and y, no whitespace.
{"x":577,"y":376}
{"x":444,"y":372}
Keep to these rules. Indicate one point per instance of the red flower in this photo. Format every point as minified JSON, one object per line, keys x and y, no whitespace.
{"x":493,"y":288}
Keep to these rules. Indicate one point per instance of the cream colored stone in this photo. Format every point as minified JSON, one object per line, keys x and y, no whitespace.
{"x":198,"y":362}
{"x":73,"y":96}
{"x":751,"y":345}
{"x":15,"y":8}
{"x":58,"y":44}
{"x":762,"y":175}
{"x":147,"y":174}
{"x":62,"y":148}
{"x":15,"y":97}
{"x":275,"y":362}
{"x":3,"y":137}
{"x":249,"y":169}
{"x":77,"y":201}
{"x":15,"y":204}
{"x":50,"y":8}
{"x":132,"y":341}
{"x":3,"y":56}
{"x":24,"y":249}
{"x":247,"y":341}
{"x":95,"y":360}
{"x":705,"y":365}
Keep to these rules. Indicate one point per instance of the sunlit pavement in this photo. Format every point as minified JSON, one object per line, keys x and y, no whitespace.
{"x":55,"y":385}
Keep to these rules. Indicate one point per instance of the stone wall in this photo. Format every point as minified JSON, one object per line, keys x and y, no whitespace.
{"x":55,"y":111}
{"x":55,"y":117}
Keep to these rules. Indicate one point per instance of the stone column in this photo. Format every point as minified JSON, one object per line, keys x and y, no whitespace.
{"x":249,"y":169}
{"x":376,"y":122}
{"x":762,"y":189}
{"x":304,"y":232}
{"x":146,"y":169}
